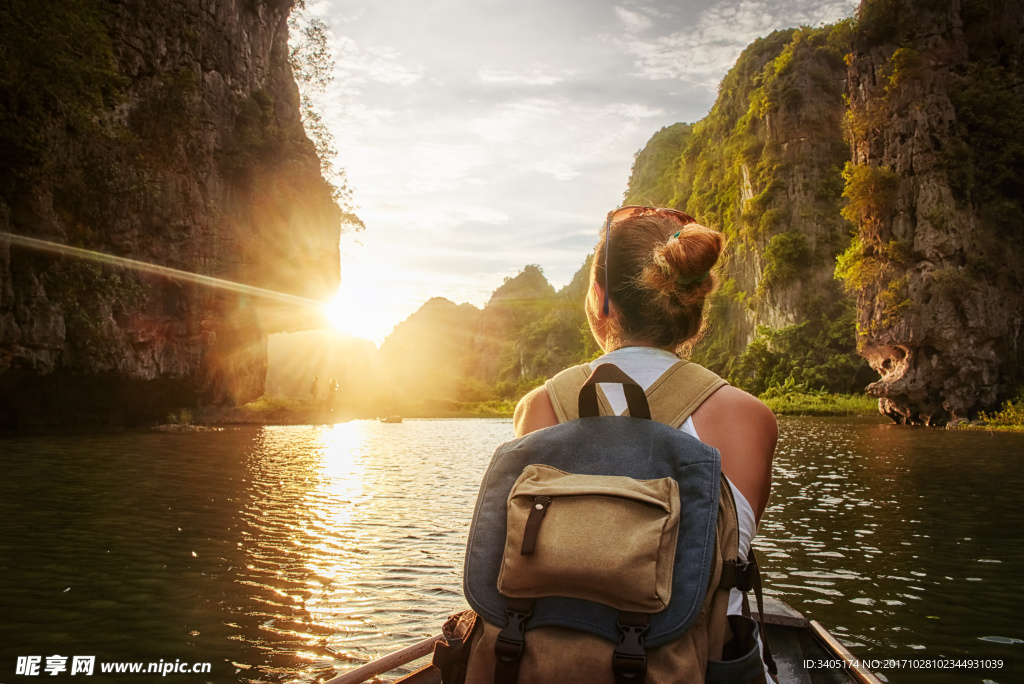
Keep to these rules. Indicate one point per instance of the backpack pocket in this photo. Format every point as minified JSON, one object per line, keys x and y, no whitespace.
{"x":603,"y":538}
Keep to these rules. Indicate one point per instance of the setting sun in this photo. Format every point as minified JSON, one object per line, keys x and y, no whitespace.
{"x":334,"y":313}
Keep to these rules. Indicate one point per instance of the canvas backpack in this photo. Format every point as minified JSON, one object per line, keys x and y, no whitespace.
{"x":603,"y":549}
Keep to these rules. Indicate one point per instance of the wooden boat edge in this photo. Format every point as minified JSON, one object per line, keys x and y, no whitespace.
{"x":777,"y":613}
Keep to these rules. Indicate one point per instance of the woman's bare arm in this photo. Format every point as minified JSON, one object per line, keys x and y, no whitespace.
{"x":744,"y":430}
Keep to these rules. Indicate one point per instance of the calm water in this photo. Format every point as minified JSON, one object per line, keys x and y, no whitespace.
{"x":290,"y":554}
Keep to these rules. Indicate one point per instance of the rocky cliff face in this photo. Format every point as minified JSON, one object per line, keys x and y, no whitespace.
{"x":925,"y":165}
{"x":937,"y":114}
{"x":764,"y":167}
{"x":168,"y":133}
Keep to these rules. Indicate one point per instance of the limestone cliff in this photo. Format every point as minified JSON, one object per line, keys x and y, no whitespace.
{"x":904,"y":128}
{"x":169,"y":133}
{"x":937,"y":125}
{"x":764,"y":167}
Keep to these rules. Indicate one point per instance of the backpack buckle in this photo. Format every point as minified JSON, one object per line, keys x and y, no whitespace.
{"x":629,"y":660}
{"x":744,"y":576}
{"x":510,"y":643}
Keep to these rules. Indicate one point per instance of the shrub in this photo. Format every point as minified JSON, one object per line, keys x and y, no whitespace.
{"x":871,"y":191}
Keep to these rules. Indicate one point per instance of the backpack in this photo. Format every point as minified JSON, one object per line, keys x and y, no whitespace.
{"x":603,"y":549}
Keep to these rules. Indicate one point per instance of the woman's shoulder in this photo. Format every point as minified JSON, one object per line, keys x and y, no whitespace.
{"x":734,"y":416}
{"x":733,"y":403}
{"x":533,"y":412}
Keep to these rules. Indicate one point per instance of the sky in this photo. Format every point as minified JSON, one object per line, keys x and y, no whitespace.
{"x":481,"y":136}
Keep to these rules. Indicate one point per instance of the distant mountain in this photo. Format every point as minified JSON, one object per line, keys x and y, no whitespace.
{"x":429,"y":354}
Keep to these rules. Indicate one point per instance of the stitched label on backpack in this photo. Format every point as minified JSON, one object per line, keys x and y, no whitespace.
{"x":603,"y":538}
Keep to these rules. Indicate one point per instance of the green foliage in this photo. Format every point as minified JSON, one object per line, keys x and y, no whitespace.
{"x":871,"y":191}
{"x":785,"y":257}
{"x":730,"y":155}
{"x":515,"y":390}
{"x":878,"y":21}
{"x":56,"y":64}
{"x":656,"y":167}
{"x":986,"y":162}
{"x":819,"y":353}
{"x":726,"y":145}
{"x":180,"y":417}
{"x":312,"y":63}
{"x":1010,"y":414}
{"x":906,"y":64}
{"x":866,"y":264}
{"x":797,"y":401}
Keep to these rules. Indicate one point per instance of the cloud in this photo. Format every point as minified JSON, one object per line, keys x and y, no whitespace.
{"x":357,"y":64}
{"x":530,"y":76}
{"x":635,"y":22}
{"x":479,"y":145}
{"x":702,"y":53}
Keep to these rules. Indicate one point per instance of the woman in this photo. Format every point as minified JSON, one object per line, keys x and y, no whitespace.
{"x":647,"y":307}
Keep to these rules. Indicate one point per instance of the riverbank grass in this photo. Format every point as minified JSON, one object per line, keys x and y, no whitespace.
{"x":820,"y":404}
{"x":1009,"y":418}
{"x":285,"y":411}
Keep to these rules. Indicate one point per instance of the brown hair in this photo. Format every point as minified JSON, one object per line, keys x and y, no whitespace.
{"x":658,"y":283}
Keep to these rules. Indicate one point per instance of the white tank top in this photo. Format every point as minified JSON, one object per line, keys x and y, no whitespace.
{"x":645,"y":365}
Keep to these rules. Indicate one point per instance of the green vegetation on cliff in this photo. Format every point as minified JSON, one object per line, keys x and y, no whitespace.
{"x":765,"y":168}
{"x":935,"y":188}
{"x":53,"y":65}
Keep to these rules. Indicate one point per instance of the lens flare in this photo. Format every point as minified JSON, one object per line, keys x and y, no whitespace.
{"x":154,"y":269}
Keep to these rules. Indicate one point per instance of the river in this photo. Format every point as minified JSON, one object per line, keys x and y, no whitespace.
{"x":288,"y":554}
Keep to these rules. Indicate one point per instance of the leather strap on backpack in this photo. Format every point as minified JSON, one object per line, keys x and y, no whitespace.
{"x":746,"y":577}
{"x":451,"y":654}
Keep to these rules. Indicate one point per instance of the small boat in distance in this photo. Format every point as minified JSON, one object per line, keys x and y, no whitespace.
{"x":801,"y":647}
{"x":391,"y":419}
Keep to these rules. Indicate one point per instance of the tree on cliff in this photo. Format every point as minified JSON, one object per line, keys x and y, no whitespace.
{"x":312,"y":63}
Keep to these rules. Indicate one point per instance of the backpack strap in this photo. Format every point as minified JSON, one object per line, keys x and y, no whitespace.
{"x":564,"y":392}
{"x":680,"y":391}
{"x":676,"y":394}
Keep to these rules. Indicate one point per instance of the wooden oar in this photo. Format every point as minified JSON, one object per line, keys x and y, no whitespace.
{"x":387,"y":663}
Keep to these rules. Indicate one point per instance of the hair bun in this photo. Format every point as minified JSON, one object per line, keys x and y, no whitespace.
{"x":686,"y":260}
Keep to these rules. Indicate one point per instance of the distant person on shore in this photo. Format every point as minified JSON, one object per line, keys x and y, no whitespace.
{"x":314,"y":390}
{"x":332,"y":394}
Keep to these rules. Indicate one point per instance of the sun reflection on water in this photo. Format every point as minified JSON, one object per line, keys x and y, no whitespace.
{"x":337,"y":498}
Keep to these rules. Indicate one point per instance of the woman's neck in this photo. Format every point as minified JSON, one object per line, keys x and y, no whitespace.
{"x":625,"y":344}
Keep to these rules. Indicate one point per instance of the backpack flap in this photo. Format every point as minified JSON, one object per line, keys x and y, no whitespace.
{"x":608,"y":539}
{"x":611,"y":446}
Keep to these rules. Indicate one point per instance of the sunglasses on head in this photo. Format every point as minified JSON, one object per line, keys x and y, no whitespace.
{"x":635,"y":211}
